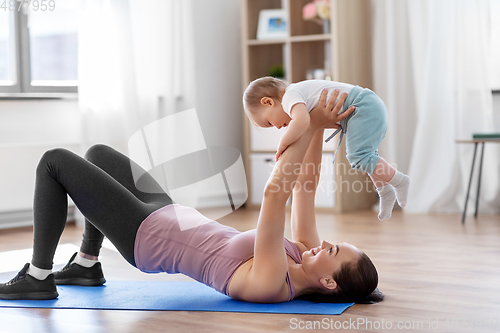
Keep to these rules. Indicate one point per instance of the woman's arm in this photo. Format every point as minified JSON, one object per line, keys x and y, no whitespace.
{"x":304,"y":229}
{"x":270,"y":264}
{"x":296,"y":127}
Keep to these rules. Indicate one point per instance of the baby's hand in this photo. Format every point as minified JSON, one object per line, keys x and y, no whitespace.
{"x":281,"y":149}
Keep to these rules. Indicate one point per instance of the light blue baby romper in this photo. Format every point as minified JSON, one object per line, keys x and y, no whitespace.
{"x":364,"y":128}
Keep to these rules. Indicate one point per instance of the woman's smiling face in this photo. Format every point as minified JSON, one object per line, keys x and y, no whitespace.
{"x":322,"y":261}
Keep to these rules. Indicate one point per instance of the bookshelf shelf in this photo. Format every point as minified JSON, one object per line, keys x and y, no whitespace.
{"x":307,"y":48}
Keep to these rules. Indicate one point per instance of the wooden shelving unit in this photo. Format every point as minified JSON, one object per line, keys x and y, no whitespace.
{"x":344,"y":53}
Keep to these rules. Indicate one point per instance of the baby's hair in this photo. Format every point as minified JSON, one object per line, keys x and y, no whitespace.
{"x":267,"y":86}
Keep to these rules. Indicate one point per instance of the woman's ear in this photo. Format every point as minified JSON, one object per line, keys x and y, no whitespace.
{"x":328,"y":283}
{"x":267,"y":101}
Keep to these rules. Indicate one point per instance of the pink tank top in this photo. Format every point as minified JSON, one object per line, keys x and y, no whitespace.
{"x":179,"y":239}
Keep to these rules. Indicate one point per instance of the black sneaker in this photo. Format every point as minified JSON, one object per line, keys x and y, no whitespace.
{"x":78,"y":275}
{"x":24,"y":286}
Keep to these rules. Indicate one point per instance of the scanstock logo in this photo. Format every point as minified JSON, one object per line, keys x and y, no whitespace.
{"x":173,"y":151}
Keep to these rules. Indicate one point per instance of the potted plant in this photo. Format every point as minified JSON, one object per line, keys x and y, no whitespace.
{"x":277,"y":71}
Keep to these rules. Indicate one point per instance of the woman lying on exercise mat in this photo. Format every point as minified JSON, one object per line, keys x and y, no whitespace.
{"x":259,"y":265}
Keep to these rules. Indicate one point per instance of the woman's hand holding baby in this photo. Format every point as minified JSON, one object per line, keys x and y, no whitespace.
{"x":326,"y":115}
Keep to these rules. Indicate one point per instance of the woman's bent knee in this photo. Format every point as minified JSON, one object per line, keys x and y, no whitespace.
{"x":95,"y":150}
{"x":53,"y":155}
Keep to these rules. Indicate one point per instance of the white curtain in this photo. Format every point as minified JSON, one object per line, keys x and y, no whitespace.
{"x":431,"y":67}
{"x":136,"y":65}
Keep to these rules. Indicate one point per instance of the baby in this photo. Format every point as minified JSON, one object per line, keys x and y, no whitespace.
{"x":271,"y":102}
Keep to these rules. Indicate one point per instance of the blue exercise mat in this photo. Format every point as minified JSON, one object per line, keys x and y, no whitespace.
{"x":167,"y":295}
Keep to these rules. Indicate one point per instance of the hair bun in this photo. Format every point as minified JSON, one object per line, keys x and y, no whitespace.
{"x":375,"y":297}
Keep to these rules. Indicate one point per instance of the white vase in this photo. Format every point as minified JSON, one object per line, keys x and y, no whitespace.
{"x":326,"y":26}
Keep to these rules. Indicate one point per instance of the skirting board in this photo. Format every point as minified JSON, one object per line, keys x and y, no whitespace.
{"x":24,"y":218}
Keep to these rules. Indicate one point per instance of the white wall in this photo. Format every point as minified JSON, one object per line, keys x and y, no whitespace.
{"x":26,"y":122}
{"x":27,"y":129}
{"x":218,"y":71}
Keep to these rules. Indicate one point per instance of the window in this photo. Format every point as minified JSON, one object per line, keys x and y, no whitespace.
{"x":38,"y":46}
{"x":7,"y":63}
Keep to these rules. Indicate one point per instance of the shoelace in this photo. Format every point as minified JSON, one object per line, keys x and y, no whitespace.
{"x":65,"y":268}
{"x":20,"y":276}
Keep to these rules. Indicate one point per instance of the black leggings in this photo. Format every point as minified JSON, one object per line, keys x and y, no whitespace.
{"x":103,"y":189}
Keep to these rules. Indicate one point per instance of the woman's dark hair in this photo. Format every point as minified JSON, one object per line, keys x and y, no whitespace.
{"x":356,"y":282}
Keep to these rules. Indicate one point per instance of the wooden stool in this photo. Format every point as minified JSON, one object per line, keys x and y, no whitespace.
{"x":475,"y":142}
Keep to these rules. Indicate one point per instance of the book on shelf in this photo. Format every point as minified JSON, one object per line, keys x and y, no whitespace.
{"x":486,"y":135}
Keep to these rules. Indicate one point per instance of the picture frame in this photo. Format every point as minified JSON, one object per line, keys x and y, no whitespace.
{"x":272,"y":24}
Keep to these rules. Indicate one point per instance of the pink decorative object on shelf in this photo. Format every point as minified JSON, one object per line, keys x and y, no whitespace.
{"x":318,"y":11}
{"x":309,"y":11}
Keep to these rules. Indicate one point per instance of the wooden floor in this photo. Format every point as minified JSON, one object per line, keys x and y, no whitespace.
{"x":437,"y":275}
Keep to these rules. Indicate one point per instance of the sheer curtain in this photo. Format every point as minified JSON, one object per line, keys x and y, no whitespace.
{"x":431,"y":61}
{"x":136,"y":65}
